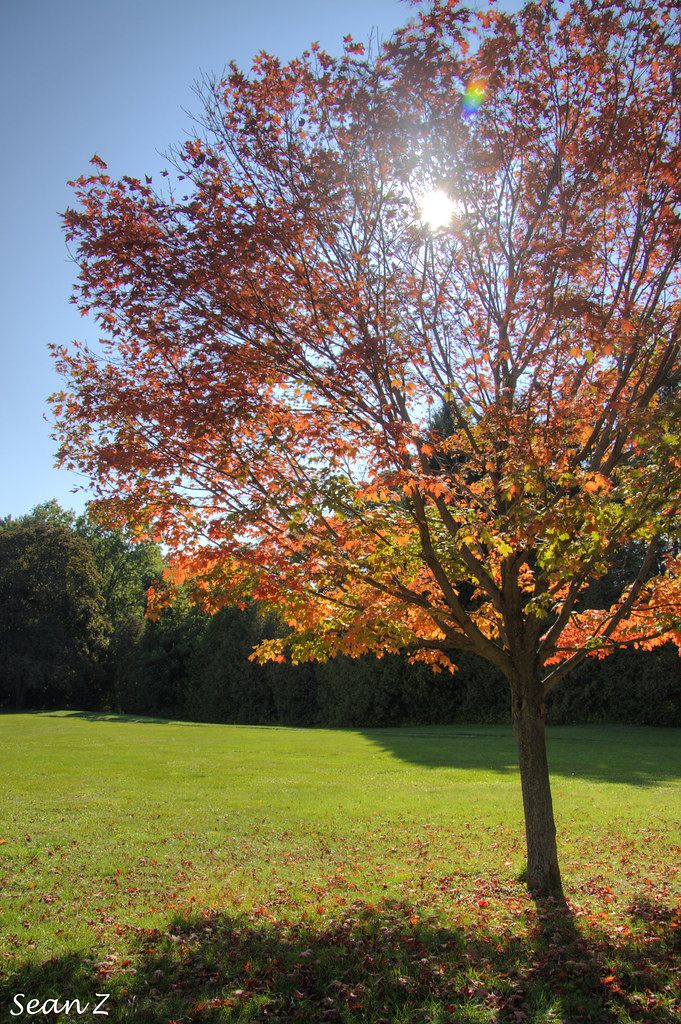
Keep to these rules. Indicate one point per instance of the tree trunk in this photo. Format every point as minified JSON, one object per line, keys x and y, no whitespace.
{"x":543,"y":872}
{"x":19,"y":693}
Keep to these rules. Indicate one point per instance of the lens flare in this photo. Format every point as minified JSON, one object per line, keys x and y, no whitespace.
{"x":474,"y":96}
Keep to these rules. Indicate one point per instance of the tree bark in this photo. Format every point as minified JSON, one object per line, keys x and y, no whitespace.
{"x":543,"y":871}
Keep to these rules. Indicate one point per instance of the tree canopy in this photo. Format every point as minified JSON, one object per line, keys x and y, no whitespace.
{"x":53,"y":630}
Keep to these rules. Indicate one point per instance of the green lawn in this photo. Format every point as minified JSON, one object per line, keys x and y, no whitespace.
{"x":233,"y":873}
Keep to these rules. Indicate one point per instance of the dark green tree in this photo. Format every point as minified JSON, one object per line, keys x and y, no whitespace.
{"x":224,"y":685}
{"x":153,"y":667}
{"x":127,"y":570}
{"x":53,"y":629}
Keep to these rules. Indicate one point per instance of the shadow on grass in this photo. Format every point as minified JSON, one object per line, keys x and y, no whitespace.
{"x":111,"y":716}
{"x":635,"y":756}
{"x":616,"y":754}
{"x":372,"y":964}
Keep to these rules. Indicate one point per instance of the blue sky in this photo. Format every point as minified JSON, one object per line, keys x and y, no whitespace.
{"x":112,"y":77}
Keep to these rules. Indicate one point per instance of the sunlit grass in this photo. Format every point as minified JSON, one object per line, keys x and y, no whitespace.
{"x":114,"y":828}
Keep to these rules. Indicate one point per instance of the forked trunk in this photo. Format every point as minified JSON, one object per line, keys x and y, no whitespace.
{"x":543,"y":872}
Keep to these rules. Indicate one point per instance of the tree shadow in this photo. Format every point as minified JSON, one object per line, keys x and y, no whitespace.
{"x":369,"y":965}
{"x":111,"y":716}
{"x":635,"y":756}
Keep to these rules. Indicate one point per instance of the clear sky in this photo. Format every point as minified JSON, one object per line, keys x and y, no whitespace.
{"x":111,"y":77}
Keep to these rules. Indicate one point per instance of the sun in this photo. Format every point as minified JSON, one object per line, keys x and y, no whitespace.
{"x":437,"y":209}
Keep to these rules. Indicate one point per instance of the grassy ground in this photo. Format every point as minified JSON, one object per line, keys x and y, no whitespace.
{"x":223,"y":873}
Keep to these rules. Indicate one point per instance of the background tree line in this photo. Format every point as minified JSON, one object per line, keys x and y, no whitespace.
{"x":73,"y":634}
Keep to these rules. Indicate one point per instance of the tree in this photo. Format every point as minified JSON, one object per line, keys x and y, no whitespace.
{"x":223,"y":685}
{"x":114,"y":568}
{"x":53,"y":632}
{"x":152,"y":665}
{"x":280,"y":321}
{"x":46,"y":512}
{"x":127,"y":571}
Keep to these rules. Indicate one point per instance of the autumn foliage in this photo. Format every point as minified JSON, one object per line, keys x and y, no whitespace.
{"x":285,"y":339}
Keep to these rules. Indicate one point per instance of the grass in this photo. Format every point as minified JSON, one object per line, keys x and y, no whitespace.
{"x":224,"y":873}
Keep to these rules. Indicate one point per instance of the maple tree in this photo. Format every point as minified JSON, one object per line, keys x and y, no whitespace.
{"x":404,"y":431}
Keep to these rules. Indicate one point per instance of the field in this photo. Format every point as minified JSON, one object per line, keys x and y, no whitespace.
{"x":231,"y":873}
